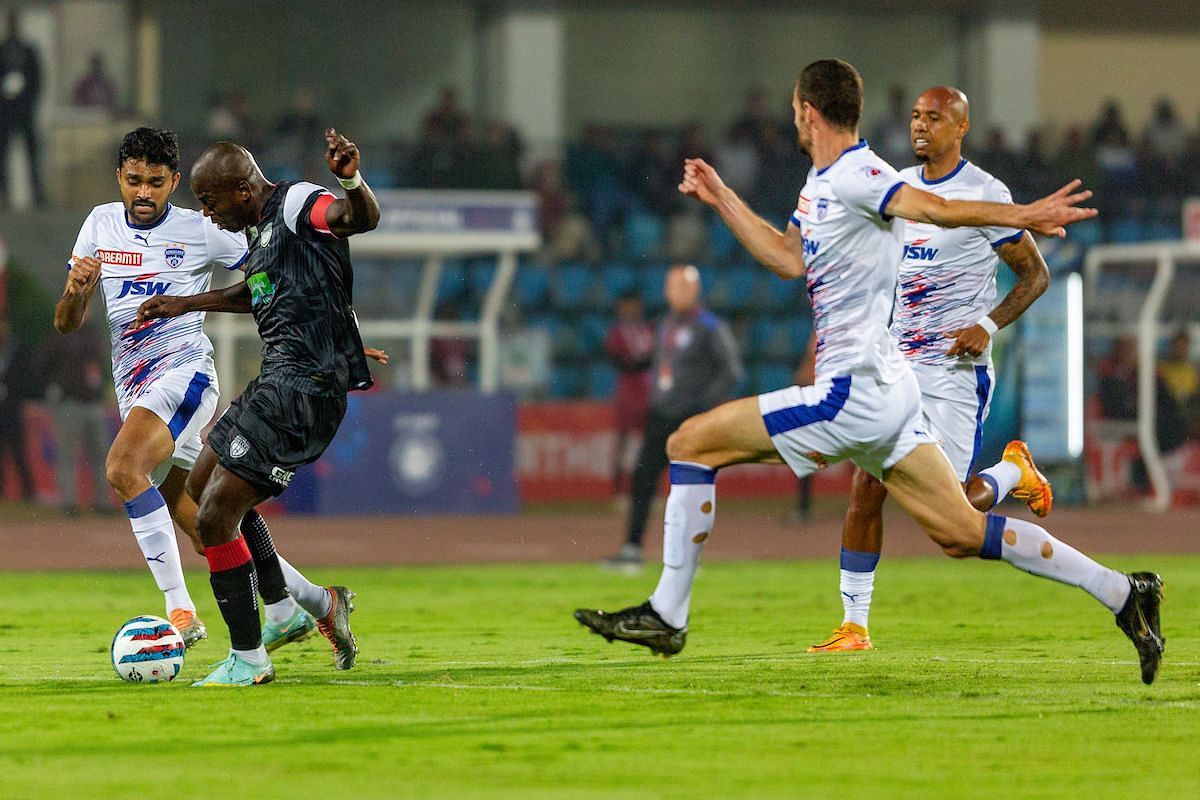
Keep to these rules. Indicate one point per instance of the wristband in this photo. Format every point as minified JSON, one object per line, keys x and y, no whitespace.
{"x":351,"y":183}
{"x":988,"y":324}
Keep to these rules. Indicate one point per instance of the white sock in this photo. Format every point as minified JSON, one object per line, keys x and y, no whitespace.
{"x":1029,"y":547}
{"x":155,"y":533}
{"x":312,"y":598}
{"x":856,"y":596}
{"x":691,"y":506}
{"x":1002,"y":476}
{"x":257,"y":656}
{"x":281,"y":610}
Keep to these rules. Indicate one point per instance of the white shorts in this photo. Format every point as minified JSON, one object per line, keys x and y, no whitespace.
{"x":956,"y":400}
{"x":848,"y":416}
{"x":185,"y":398}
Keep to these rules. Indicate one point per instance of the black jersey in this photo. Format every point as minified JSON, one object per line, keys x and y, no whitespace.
{"x":301,"y":287}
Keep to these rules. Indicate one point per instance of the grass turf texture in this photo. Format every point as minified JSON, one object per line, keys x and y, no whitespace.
{"x":475,"y":681}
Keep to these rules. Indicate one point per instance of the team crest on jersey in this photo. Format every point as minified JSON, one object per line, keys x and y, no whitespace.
{"x":264,"y":236}
{"x":822,"y":208}
{"x":238,"y":447}
{"x":174,"y":255}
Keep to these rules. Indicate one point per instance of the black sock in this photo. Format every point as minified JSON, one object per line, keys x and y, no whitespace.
{"x":271,"y":583}
{"x":231,"y":573}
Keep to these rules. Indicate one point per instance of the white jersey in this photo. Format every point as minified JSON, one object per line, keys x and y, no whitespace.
{"x":852,"y":253}
{"x":948,"y":275}
{"x":174,"y":256}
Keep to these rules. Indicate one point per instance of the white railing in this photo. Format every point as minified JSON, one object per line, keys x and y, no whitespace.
{"x":1167,"y":257}
{"x":437,"y":226}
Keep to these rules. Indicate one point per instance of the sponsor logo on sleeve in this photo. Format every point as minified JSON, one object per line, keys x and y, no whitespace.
{"x":119,"y":258}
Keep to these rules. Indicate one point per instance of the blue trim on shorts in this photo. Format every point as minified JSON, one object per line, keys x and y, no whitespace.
{"x":191,"y":402}
{"x":683,"y":473}
{"x":858,"y":561}
{"x":788,"y":419}
{"x":993,"y":537}
{"x":983,"y":390}
{"x":145,"y":503}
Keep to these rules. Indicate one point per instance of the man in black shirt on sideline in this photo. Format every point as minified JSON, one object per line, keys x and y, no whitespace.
{"x":299,"y":287}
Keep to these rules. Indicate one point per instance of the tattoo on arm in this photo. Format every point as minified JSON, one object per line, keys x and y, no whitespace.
{"x":1024,"y":259}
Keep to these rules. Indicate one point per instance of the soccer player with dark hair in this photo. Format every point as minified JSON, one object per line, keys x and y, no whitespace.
{"x":299,"y":287}
{"x":866,"y":403}
{"x":946,"y":291}
{"x":163,"y":371}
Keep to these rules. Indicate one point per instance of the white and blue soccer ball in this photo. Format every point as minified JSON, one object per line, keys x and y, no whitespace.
{"x":147,"y":650}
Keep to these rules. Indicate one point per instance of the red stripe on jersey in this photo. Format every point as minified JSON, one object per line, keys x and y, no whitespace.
{"x":316,"y":217}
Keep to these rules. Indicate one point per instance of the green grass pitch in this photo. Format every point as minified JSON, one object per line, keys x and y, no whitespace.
{"x":476,"y":682}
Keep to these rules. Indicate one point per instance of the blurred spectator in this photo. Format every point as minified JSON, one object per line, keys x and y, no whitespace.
{"x":889,"y":137}
{"x":496,"y":158}
{"x":1032,"y":176}
{"x":1110,"y":127}
{"x":629,"y":344}
{"x":1076,"y":160}
{"x":736,"y":157}
{"x":692,"y":144}
{"x":1118,"y":381}
{"x":438,"y":162}
{"x":229,"y":119}
{"x":782,"y":170}
{"x":756,"y":114}
{"x":296,"y":138}
{"x":447,"y":120}
{"x":449,"y":355}
{"x":593,"y":172}
{"x":17,"y":385}
{"x":566,"y":233}
{"x":96,"y":88}
{"x":696,"y":366}
{"x":996,"y":157}
{"x":1181,"y":377}
{"x":1166,"y":134}
{"x":652,"y":175}
{"x":74,"y":371}
{"x":20,"y":86}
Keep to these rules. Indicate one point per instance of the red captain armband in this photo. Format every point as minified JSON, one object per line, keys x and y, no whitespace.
{"x":316,"y":217}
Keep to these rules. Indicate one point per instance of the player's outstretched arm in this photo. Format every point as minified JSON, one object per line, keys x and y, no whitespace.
{"x":782,"y":253}
{"x":1033,"y":276}
{"x":82,"y":279}
{"x":358,"y":212}
{"x":234,"y":299}
{"x":1048,"y":216}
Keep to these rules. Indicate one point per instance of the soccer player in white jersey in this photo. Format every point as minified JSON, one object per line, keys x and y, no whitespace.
{"x":944,"y":318}
{"x":163,"y":371}
{"x":865,"y":404}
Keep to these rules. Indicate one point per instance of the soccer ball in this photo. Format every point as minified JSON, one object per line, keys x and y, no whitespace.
{"x":147,"y":650}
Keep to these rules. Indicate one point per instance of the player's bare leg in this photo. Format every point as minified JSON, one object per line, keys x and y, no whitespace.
{"x":924,"y":484}
{"x":733,"y":433}
{"x":143,"y":443}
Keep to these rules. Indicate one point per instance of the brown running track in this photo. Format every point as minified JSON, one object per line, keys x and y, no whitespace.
{"x":38,"y":539}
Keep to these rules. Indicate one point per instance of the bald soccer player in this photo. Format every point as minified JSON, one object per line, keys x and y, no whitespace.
{"x":865,"y":405}
{"x":299,"y":287}
{"x":944,"y":318}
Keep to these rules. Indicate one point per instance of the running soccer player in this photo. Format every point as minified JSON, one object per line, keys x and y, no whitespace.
{"x":865,"y":404}
{"x":299,"y":287}
{"x":946,"y":290}
{"x":163,"y":372}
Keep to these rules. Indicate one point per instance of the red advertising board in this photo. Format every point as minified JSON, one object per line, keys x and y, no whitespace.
{"x":565,"y":451}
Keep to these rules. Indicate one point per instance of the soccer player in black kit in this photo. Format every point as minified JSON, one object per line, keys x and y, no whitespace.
{"x":299,"y":287}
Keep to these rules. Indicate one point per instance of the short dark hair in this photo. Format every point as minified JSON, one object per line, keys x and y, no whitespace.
{"x":834,"y":88}
{"x":151,"y":145}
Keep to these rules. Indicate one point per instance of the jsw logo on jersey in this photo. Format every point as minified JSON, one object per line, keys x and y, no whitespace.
{"x":916,"y":252}
{"x":143,"y":288}
{"x":810,"y":246}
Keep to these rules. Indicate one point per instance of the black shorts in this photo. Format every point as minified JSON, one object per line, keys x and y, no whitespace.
{"x":271,"y":430}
